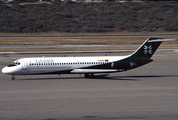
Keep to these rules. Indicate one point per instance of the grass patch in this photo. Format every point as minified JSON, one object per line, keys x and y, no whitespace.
{"x":84,"y":34}
{"x":78,"y":48}
{"x":76,"y":41}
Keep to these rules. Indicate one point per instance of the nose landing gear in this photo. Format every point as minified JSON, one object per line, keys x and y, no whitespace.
{"x":13,"y":77}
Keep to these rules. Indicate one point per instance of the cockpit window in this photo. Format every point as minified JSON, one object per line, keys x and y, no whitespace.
{"x":14,"y":64}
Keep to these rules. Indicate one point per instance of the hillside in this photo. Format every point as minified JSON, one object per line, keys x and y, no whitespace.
{"x":88,"y":17}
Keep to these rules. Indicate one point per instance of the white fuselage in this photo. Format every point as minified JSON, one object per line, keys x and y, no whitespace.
{"x":51,"y":65}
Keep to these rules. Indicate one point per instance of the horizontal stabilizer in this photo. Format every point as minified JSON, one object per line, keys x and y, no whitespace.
{"x":161,"y":40}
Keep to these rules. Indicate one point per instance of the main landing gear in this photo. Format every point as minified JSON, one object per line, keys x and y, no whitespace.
{"x":13,"y":77}
{"x":87,"y":75}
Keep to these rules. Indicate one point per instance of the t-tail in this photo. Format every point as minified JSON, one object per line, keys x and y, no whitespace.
{"x":148,"y":48}
{"x":144,"y":53}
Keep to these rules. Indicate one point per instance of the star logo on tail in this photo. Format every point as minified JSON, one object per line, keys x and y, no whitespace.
{"x":148,"y":49}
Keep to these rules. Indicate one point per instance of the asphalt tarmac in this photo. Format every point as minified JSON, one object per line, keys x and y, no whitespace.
{"x":148,"y":92}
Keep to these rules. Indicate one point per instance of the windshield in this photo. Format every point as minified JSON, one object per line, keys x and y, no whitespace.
{"x":14,"y":64}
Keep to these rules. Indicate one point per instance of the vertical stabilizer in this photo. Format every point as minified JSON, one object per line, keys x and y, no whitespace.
{"x":148,"y":48}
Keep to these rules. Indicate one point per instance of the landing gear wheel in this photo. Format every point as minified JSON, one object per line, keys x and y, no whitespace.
{"x":87,"y":75}
{"x":92,"y":76}
{"x":13,"y":78}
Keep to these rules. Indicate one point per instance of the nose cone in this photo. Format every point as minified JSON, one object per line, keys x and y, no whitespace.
{"x":6,"y":70}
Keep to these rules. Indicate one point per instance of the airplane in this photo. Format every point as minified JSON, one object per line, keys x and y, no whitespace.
{"x":85,"y":65}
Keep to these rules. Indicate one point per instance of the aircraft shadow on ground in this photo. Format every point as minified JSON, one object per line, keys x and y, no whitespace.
{"x":104,"y":77}
{"x":132,"y":78}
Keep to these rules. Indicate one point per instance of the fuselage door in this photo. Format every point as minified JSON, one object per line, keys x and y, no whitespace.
{"x":24,"y":65}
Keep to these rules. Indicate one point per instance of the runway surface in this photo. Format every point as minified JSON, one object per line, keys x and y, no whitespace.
{"x":148,"y":92}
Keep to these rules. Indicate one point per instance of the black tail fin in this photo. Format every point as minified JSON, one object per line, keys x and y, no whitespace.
{"x":148,"y":48}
